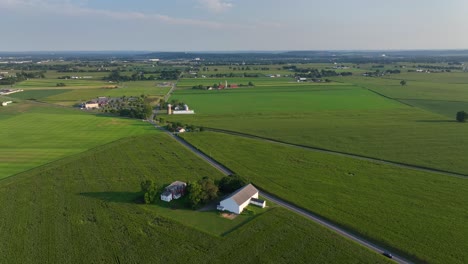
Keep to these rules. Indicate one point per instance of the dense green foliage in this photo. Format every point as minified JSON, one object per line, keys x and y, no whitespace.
{"x":231,"y":183}
{"x":461,"y":116}
{"x":82,"y":210}
{"x":201,"y":192}
{"x":149,"y":189}
{"x":420,"y":214}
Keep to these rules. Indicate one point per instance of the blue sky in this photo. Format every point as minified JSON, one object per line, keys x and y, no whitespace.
{"x":206,"y":25}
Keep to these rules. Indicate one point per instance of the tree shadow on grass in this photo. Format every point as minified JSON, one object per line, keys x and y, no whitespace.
{"x":115,"y":197}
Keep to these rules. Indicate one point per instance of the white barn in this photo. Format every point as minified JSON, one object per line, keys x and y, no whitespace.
{"x":238,"y":200}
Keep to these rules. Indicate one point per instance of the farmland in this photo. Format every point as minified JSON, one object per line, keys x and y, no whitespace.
{"x":39,"y":134}
{"x":420,"y":214}
{"x":78,"y":91}
{"x":83,"y":209}
{"x":347,"y":118}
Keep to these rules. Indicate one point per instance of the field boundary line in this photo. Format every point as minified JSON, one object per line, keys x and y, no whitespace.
{"x":343,"y":154}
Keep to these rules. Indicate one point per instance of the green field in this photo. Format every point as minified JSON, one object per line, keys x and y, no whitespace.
{"x":34,"y":134}
{"x":344,"y":118}
{"x":82,"y":210}
{"x":274,"y":100}
{"x":419,"y":214}
{"x":72,"y":95}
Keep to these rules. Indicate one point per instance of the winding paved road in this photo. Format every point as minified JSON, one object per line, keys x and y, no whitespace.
{"x":223,"y":169}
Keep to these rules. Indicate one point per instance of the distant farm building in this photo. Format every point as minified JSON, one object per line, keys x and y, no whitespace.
{"x":174,"y":191}
{"x":9,"y":91}
{"x":91,"y":105}
{"x":238,"y":200}
{"x":177,"y":111}
{"x":6,"y":103}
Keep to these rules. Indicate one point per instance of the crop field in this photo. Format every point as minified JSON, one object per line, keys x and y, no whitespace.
{"x":83,"y":210}
{"x":48,"y":83}
{"x":344,"y":118}
{"x":264,"y":101}
{"x":257,"y":81}
{"x":420,"y":214}
{"x":69,"y":96}
{"x":34,"y":134}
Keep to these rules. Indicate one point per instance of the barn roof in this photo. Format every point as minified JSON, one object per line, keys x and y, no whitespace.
{"x":243,"y":194}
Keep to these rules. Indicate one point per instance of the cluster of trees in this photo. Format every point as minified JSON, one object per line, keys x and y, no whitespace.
{"x":133,"y":107}
{"x":22,"y":76}
{"x":201,"y":192}
{"x":315,"y":73}
{"x":116,"y":76}
{"x":216,"y":86}
{"x":440,"y":67}
{"x":61,"y":84}
{"x":172,"y":127}
{"x":462,"y":116}
{"x":206,"y":190}
{"x":379,"y":73}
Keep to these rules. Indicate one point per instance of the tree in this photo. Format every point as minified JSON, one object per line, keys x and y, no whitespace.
{"x":149,"y":190}
{"x":403,"y":83}
{"x":194,"y":191}
{"x":462,"y":116}
{"x":229,"y":184}
{"x":209,"y":189}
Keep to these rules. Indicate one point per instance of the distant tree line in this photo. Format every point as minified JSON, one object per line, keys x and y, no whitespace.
{"x":216,"y":86}
{"x":116,"y":76}
{"x":315,"y":73}
{"x":22,"y":76}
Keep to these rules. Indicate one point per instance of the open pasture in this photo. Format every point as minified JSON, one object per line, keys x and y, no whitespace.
{"x":83,"y":210}
{"x":34,"y":134}
{"x":419,"y":214}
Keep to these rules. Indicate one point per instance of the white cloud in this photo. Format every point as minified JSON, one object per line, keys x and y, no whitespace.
{"x":216,"y":6}
{"x":67,"y":8}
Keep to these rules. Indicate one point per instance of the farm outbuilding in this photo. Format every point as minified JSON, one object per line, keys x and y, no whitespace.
{"x":238,"y":200}
{"x":173,"y":191}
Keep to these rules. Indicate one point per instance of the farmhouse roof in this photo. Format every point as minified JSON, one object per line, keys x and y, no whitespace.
{"x":243,"y":194}
{"x":177,"y":183}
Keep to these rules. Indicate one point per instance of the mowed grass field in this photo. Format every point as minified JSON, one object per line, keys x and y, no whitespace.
{"x":82,"y":210}
{"x":420,"y":214}
{"x":346,"y":118}
{"x":34,"y":134}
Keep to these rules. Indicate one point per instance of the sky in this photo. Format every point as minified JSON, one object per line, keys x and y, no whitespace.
{"x":232,"y":25}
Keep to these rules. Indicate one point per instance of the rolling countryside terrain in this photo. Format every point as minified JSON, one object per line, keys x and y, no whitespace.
{"x":86,"y":209}
{"x":70,"y":178}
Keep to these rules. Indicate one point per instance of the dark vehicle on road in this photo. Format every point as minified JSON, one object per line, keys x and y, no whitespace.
{"x":388,"y":254}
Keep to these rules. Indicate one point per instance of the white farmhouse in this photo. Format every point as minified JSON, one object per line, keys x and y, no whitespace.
{"x":238,"y":200}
